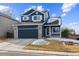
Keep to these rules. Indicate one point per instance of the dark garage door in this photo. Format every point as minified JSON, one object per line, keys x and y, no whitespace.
{"x":28,"y":33}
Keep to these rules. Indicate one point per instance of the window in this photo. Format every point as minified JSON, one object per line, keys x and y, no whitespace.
{"x":25,"y":18}
{"x":55,"y":29}
{"x":37,"y":18}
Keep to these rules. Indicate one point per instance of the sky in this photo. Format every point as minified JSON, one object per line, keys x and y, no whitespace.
{"x":68,"y":11}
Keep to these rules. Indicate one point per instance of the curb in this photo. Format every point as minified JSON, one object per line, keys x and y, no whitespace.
{"x":53,"y":53}
{"x":46,"y":52}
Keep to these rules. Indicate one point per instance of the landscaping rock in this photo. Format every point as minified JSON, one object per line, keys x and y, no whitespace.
{"x":40,"y":42}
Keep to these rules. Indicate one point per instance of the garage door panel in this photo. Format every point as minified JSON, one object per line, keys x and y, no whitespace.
{"x":28,"y":33}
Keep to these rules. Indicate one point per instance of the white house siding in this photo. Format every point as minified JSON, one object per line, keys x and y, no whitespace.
{"x":16,"y":32}
{"x":39,"y":31}
{"x":6,"y":25}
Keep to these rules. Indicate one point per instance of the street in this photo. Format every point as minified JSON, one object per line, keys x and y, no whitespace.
{"x":15,"y":53}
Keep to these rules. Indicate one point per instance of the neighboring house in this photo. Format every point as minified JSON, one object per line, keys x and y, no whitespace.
{"x":6,"y":23}
{"x":34,"y":24}
{"x":73,"y":36}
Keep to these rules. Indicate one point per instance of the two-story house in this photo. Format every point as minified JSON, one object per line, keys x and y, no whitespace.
{"x":34,"y":24}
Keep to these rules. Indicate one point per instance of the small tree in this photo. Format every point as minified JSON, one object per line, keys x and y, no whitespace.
{"x":65,"y":33}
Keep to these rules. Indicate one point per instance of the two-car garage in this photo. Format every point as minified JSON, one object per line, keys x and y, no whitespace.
{"x":28,"y":31}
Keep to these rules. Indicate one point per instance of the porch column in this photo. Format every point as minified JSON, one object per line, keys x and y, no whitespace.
{"x":39,"y":31}
{"x":15,"y":32}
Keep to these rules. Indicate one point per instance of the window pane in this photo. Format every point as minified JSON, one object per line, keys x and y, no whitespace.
{"x":25,"y":18}
{"x":55,"y":29}
{"x":37,"y":17}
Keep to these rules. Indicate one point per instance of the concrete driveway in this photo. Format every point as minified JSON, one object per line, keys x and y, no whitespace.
{"x":20,"y":42}
{"x":15,"y":44}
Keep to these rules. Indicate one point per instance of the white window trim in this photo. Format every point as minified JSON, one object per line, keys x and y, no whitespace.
{"x":25,"y":19}
{"x":37,"y":19}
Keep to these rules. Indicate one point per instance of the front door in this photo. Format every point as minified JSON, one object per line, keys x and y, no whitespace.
{"x":47,"y":33}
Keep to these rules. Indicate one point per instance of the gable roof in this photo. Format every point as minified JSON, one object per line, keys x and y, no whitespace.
{"x":29,"y":11}
{"x":47,"y":15}
{"x":9,"y":17}
{"x":53,"y":21}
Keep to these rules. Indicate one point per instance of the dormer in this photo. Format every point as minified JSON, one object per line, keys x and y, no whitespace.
{"x":55,"y":20}
{"x":33,"y":15}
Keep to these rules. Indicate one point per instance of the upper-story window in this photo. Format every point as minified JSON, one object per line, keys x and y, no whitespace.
{"x":25,"y":18}
{"x":36,"y":18}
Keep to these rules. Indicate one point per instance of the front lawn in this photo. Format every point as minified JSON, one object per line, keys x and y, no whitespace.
{"x":2,"y":40}
{"x":54,"y":46}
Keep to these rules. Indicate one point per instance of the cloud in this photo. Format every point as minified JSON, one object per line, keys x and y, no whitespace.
{"x":54,"y":14}
{"x":74,"y":26}
{"x":63,"y":14}
{"x":17,"y":18}
{"x":34,"y":7}
{"x":39,"y":8}
{"x":67,"y":7}
{"x":5,"y":9}
{"x":74,"y":23}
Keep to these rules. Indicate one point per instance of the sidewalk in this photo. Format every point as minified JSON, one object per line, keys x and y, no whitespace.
{"x":43,"y":52}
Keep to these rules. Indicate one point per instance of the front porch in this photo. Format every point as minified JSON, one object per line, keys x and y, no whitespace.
{"x":52,"y":31}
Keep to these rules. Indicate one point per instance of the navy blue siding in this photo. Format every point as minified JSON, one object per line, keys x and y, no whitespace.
{"x":30,"y":17}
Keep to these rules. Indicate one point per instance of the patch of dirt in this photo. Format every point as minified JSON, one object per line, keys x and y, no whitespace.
{"x":3,"y":40}
{"x":54,"y":46}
